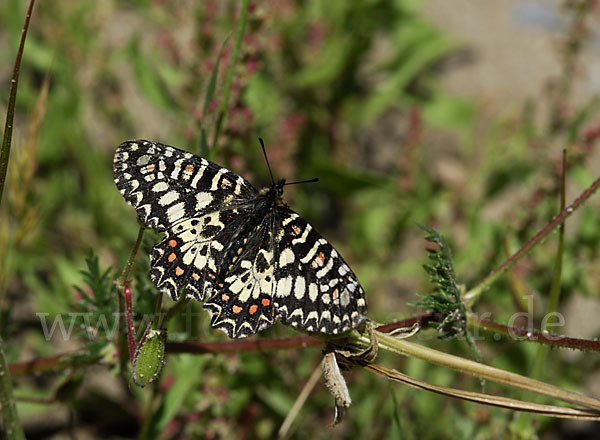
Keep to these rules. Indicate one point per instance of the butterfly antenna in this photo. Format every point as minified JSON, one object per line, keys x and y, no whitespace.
{"x":262,"y":144}
{"x":316,"y":179}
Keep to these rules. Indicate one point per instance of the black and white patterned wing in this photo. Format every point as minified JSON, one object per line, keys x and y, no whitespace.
{"x":242,"y":303}
{"x":190,"y":254}
{"x":166,"y":185}
{"x":193,"y":200}
{"x":315,"y":289}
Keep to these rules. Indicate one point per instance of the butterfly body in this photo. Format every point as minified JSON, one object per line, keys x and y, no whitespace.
{"x":242,"y":251}
{"x":239,"y":245}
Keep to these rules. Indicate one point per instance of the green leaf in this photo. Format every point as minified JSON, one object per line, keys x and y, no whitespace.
{"x":416,"y":48}
{"x":344,"y":180}
{"x":262,"y":99}
{"x":449,"y":112}
{"x":186,"y":369}
{"x":276,"y":399}
{"x":213,"y":78}
{"x":324,"y":66}
{"x":204,"y":148}
{"x":147,"y":78}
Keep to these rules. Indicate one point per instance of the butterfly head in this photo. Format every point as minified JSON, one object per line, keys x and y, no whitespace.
{"x":275,"y":191}
{"x":278,"y":187}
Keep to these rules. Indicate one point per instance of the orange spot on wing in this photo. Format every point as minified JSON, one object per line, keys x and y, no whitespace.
{"x":172,"y":243}
{"x":265,"y":302}
{"x":150,"y":168}
{"x":179,"y":271}
{"x":322,"y":258}
{"x":237,"y":309}
{"x":296,"y":229}
{"x":172,"y":257}
{"x":195,"y":276}
{"x":335,"y":295}
{"x":220,"y":284}
{"x":225,"y":297}
{"x":189,"y":168}
{"x":253,"y":309}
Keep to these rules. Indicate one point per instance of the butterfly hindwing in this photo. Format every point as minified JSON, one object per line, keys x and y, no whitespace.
{"x":188,"y":255}
{"x":242,"y":304}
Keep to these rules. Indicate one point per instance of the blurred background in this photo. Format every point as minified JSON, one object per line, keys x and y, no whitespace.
{"x":452,"y":114}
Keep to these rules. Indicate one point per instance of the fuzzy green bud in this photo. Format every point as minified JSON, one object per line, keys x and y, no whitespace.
{"x":149,"y":357}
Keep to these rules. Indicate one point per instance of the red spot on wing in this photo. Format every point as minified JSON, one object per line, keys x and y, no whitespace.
{"x":253,"y":309}
{"x":265,"y":302}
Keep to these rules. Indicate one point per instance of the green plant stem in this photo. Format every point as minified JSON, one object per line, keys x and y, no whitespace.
{"x":131,"y":260}
{"x":542,"y":352}
{"x":157,"y":322}
{"x":181,"y":304}
{"x":10,"y":416}
{"x":524,"y":420}
{"x":555,"y":288}
{"x":10,"y":112}
{"x":473,"y":294}
{"x":204,"y":148}
{"x":477,"y":369}
{"x":230,"y":73}
{"x":148,"y":412}
{"x":487,"y":399}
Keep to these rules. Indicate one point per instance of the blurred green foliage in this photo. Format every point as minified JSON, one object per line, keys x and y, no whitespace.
{"x":345,"y":91}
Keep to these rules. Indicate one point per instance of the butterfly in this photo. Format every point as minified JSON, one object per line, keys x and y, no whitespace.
{"x":243,"y":251}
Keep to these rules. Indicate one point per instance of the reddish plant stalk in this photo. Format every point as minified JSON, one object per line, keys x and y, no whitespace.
{"x":130,"y":330}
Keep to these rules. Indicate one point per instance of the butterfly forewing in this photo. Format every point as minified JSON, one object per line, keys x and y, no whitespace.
{"x":316,"y":290}
{"x":166,"y":185}
{"x":252,"y":258}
